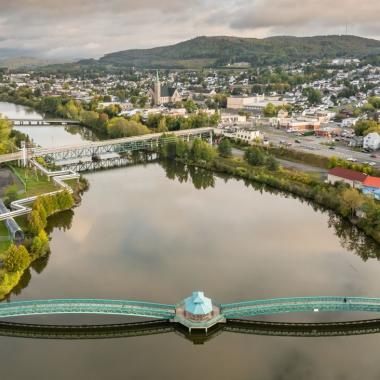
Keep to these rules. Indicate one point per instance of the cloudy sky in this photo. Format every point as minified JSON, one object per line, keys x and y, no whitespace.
{"x":90,"y":28}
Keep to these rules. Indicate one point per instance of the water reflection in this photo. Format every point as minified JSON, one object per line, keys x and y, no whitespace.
{"x":85,"y":133}
{"x":156,"y":327}
{"x":200,"y":178}
{"x":351,"y":238}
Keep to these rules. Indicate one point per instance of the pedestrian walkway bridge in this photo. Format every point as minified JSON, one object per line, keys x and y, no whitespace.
{"x":165,"y":318}
{"x":224,"y":312}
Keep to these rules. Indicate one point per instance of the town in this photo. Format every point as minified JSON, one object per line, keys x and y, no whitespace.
{"x":184,"y":183}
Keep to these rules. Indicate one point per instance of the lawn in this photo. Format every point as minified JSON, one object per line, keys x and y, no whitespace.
{"x":4,"y":244}
{"x":33,"y":182}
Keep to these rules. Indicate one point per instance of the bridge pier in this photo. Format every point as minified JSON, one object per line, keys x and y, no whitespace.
{"x":24,"y":154}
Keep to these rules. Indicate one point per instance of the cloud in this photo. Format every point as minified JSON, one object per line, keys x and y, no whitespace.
{"x":91,"y":28}
{"x":315,"y":16}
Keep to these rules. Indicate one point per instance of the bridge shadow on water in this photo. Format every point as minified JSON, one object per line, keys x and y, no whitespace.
{"x":155,"y":327}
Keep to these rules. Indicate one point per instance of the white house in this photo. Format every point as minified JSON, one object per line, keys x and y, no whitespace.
{"x":372,"y":141}
{"x":246,"y":135}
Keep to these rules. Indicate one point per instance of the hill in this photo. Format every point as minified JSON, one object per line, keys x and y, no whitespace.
{"x":29,"y":62}
{"x":220,"y":51}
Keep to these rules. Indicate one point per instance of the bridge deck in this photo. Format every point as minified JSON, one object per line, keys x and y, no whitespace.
{"x":87,"y":306}
{"x":298,"y":305}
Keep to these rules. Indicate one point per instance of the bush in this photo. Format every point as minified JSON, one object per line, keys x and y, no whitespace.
{"x":255,"y":156}
{"x":16,"y":259}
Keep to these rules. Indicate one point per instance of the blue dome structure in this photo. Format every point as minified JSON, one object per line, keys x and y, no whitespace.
{"x":197,"y":306}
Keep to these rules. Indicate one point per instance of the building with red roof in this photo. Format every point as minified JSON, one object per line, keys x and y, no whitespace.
{"x":351,"y":177}
{"x":371,"y":186}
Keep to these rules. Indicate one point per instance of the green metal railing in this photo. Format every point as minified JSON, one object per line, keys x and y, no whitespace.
{"x":87,"y":306}
{"x":299,"y":304}
{"x":168,"y":311}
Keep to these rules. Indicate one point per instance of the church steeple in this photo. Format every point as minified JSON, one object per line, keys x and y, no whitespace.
{"x":157,"y":91}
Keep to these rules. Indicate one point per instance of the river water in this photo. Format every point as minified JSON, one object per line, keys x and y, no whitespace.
{"x":159,"y":231}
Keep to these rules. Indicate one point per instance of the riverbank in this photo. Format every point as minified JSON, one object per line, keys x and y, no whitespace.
{"x":17,"y":259}
{"x":362,"y":211}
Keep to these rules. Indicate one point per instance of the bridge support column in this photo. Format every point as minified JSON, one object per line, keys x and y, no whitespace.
{"x":24,"y":154}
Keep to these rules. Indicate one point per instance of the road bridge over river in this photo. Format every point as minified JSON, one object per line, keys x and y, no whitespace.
{"x":98,"y":148}
{"x":43,"y":122}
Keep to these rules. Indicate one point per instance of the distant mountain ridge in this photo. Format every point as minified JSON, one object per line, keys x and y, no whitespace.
{"x":223,"y":50}
{"x":29,"y":62}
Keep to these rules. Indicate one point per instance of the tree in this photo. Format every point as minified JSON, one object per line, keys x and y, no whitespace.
{"x":162,"y":125}
{"x":351,"y":200}
{"x":225,"y":148}
{"x":270,"y":110}
{"x":40,"y":244}
{"x":254,"y":156}
{"x":50,"y":104}
{"x":202,"y":151}
{"x":362,"y":126}
{"x":5,"y":130}
{"x":272,"y":164}
{"x":89,"y":118}
{"x":120,"y":127}
{"x":182,"y":149}
{"x":11,"y":193}
{"x":16,"y":258}
{"x":65,"y":200}
{"x":374,"y":101}
{"x":143,"y":100}
{"x":196,"y":149}
{"x":190,"y":106}
{"x":314,"y":96}
{"x":35,"y":222}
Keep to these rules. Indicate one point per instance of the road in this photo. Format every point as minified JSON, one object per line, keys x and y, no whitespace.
{"x":314,"y":145}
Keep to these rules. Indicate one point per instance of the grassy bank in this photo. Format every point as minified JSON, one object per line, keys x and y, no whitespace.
{"x":18,"y":259}
{"x":32,"y":182}
{"x":4,"y":244}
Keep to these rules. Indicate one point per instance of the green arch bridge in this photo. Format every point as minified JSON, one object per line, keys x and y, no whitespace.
{"x":171,"y":312}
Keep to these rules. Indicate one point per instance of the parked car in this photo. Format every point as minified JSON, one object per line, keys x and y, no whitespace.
{"x":297,"y":141}
{"x":372,"y":163}
{"x":373,"y":155}
{"x":332,"y":147}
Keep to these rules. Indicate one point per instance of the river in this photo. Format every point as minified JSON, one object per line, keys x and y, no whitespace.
{"x":159,"y":231}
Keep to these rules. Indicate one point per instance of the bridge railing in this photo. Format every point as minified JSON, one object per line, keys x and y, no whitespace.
{"x":86,"y":301}
{"x":142,"y":138}
{"x":87,"y":306}
{"x":272,"y":301}
{"x":300,"y":304}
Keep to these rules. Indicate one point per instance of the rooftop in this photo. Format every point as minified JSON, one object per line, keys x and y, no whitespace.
{"x":372,"y":182}
{"x":198,"y":304}
{"x":349,"y":174}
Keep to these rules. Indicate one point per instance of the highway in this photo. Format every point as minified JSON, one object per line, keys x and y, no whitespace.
{"x":311,"y":144}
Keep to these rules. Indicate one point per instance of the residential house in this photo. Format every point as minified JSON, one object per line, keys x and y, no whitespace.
{"x":372,"y":141}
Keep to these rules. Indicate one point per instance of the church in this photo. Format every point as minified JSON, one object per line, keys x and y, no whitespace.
{"x":164,"y":94}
